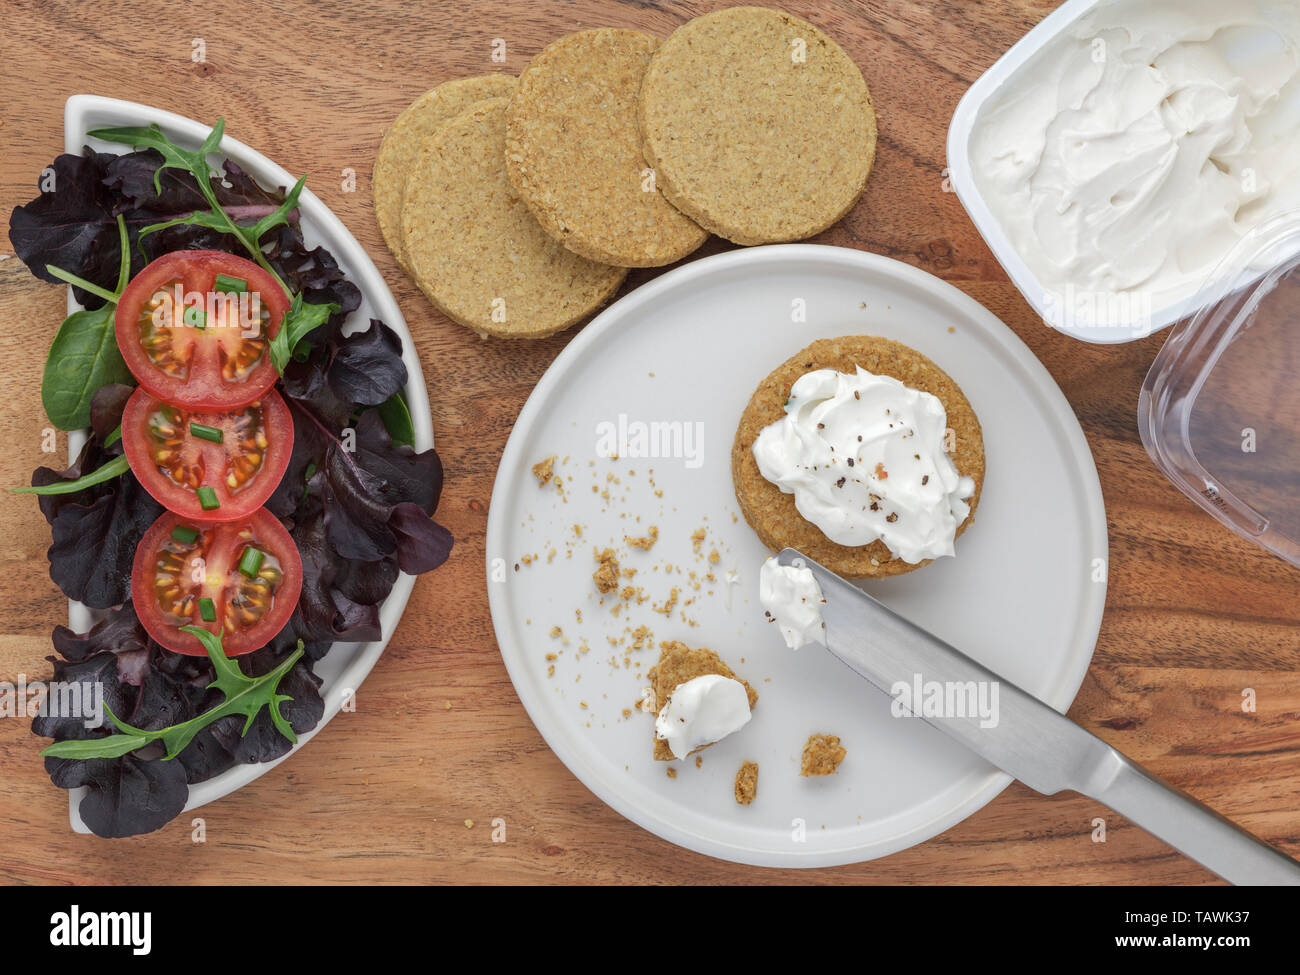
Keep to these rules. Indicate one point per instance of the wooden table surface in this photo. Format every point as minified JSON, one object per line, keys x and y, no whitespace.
{"x":1194,"y":614}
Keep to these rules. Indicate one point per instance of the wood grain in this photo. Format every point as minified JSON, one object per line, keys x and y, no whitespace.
{"x":1194,"y":614}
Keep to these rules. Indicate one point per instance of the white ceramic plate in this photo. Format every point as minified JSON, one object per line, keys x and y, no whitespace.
{"x":347,"y":664}
{"x":691,"y":346}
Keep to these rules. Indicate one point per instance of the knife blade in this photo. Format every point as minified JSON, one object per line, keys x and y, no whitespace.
{"x":1027,"y":738}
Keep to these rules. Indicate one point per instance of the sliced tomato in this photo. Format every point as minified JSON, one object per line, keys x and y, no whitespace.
{"x":194,"y":341}
{"x":231,"y":458}
{"x":183,"y":567}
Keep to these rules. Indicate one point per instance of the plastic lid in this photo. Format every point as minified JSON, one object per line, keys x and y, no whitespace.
{"x":1219,"y":412}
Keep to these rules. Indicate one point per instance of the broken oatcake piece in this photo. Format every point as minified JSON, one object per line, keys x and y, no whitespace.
{"x":606,"y":574}
{"x":822,"y":755}
{"x":747,"y":783}
{"x":678,"y":664}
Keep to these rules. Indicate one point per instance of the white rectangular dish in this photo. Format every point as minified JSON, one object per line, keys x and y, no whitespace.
{"x":1170,"y":130}
{"x":960,"y":131}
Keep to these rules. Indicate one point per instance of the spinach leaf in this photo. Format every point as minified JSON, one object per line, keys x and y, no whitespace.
{"x":397,"y":419}
{"x":84,"y":355}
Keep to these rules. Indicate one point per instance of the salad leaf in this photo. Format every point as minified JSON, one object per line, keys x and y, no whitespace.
{"x":397,"y":419}
{"x":196,"y":163}
{"x":72,"y":224}
{"x":125,"y":796}
{"x":93,"y":455}
{"x":94,"y":544}
{"x":302,"y":709}
{"x":135,"y":178}
{"x":367,"y":366}
{"x":100,"y":670}
{"x":106,"y":408}
{"x":332,"y":606}
{"x":315,"y":274}
{"x":403,"y":473}
{"x":174,"y":157}
{"x":298,"y":321}
{"x":110,"y":470}
{"x":242,"y":695}
{"x":118,"y":632}
{"x":84,"y":355}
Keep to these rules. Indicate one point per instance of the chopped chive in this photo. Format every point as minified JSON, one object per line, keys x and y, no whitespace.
{"x":229,"y":285}
{"x":205,"y":432}
{"x":194,"y":317}
{"x":207,"y":610}
{"x":185,"y":534}
{"x":208,"y":498}
{"x":250,"y":563}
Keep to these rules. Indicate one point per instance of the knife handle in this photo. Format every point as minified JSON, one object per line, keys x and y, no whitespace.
{"x":1188,"y":825}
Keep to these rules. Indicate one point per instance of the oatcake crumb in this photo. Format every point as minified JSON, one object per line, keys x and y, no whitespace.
{"x":670,"y":603}
{"x":747,"y":783}
{"x":697,"y":539}
{"x":556,"y":631}
{"x":544,"y":469}
{"x":606,"y":575}
{"x":646,"y":542}
{"x":672,"y":773}
{"x":822,"y":755}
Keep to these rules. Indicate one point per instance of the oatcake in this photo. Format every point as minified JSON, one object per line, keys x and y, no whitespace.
{"x":401,"y":145}
{"x":747,"y":783}
{"x":822,"y":755}
{"x":573,"y":152}
{"x":772,"y":513}
{"x":758,"y":126}
{"x":677,"y":664}
{"x":476,"y":250}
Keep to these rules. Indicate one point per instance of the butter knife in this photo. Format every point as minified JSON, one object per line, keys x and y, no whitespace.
{"x":1030,"y":740}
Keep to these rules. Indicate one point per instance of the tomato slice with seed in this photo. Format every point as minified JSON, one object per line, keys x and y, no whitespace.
{"x":238,"y":454}
{"x":194,"y":342}
{"x":184,"y":567}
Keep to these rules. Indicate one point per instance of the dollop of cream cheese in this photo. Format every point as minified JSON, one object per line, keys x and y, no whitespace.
{"x":701,"y":711}
{"x":864,"y":457}
{"x":1133,"y":150}
{"x":793,"y":601}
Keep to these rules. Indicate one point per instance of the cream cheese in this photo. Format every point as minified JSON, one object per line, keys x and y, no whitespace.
{"x":702,"y":711}
{"x":793,"y":601}
{"x":864,"y":457}
{"x":1132,"y":151}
